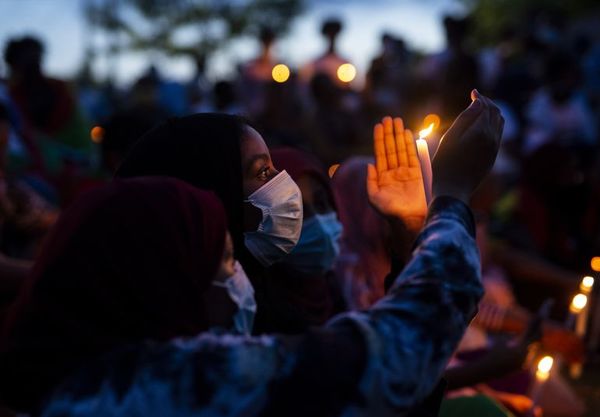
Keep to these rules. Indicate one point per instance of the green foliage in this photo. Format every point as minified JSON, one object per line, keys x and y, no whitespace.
{"x":208,"y":24}
{"x":492,"y":17}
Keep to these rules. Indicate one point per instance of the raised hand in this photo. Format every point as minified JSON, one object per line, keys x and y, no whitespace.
{"x":395,"y":183}
{"x":468,"y":149}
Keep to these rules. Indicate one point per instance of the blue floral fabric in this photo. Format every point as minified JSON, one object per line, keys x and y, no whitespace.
{"x":378,"y":362}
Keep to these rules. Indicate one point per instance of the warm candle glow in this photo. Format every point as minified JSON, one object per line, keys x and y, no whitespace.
{"x":426,"y":132}
{"x":595,"y":263}
{"x":280,"y":73}
{"x":544,"y":367}
{"x":587,"y":283}
{"x":97,"y":134}
{"x":432,"y":118}
{"x":578,"y":303}
{"x":346,"y":72}
{"x":332,"y":170}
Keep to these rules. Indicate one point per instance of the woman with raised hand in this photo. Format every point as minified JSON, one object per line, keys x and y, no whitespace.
{"x":381,"y":361}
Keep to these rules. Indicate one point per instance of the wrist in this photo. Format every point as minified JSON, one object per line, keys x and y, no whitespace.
{"x":445,"y":191}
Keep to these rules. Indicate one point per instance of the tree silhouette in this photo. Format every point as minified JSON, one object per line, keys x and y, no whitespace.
{"x":195,"y":28}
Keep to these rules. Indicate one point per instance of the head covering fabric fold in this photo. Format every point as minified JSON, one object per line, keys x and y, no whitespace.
{"x":126,"y":262}
{"x":202,"y":150}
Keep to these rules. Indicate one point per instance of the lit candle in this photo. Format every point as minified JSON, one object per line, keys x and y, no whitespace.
{"x":577,"y":305}
{"x":587,"y":284}
{"x":425,"y":161}
{"x":542,"y":374}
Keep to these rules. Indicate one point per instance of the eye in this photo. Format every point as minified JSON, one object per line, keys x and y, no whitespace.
{"x":264,"y":173}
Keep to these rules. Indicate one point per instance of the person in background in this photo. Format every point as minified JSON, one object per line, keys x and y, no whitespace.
{"x":126,"y":262}
{"x":256,"y":74}
{"x":309,"y":281}
{"x":364,"y":260}
{"x":381,"y":361}
{"x":328,"y":63}
{"x":53,"y":124}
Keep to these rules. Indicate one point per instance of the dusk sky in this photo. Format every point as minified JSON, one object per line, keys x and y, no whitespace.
{"x":61,"y":25}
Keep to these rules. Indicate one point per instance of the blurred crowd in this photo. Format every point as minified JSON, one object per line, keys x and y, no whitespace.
{"x":537,"y":214}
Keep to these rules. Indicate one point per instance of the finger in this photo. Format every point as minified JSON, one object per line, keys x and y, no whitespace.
{"x":379,"y":148}
{"x":390,"y":143}
{"x":466,"y":118}
{"x":400,"y":142}
{"x":372,"y":180}
{"x":411,"y":149}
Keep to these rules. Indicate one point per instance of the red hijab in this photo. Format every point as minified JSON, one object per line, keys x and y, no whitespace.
{"x":126,"y":262}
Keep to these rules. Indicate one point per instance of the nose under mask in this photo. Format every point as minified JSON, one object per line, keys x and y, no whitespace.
{"x":280,"y":202}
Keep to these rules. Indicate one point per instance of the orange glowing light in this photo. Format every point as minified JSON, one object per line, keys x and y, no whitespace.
{"x":97,"y":134}
{"x":578,"y":303}
{"x":432,"y":118}
{"x":332,"y":170}
{"x":596,"y":263}
{"x":280,"y":73}
{"x":544,"y":367}
{"x":346,"y":72}
{"x":587,"y":283}
{"x":426,"y":132}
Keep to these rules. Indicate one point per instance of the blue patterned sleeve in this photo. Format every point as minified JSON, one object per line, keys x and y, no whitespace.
{"x":411,"y":333}
{"x":382,"y":361}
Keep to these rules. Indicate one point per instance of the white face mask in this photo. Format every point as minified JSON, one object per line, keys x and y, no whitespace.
{"x":241,"y":292}
{"x":280,"y":201}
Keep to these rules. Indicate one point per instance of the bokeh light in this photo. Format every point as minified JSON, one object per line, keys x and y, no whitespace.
{"x":579,"y":302}
{"x":346,"y":72}
{"x":595,"y":263}
{"x":545,"y":364}
{"x":432,"y":118}
{"x":280,"y":73}
{"x":332,"y":170}
{"x":97,"y":134}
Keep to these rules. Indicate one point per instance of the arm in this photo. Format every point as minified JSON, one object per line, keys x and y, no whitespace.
{"x":380,"y":361}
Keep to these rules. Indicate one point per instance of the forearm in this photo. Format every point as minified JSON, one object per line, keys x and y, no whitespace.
{"x":413,"y":331}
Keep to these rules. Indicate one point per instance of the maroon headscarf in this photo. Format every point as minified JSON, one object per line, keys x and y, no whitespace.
{"x":364,"y":238}
{"x":126,"y":262}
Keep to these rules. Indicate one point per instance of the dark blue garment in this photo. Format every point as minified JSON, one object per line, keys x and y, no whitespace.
{"x":379,"y":362}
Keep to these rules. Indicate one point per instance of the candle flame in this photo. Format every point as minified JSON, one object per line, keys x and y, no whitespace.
{"x":578,"y":303}
{"x":545,"y":364}
{"x":426,"y":132}
{"x":587,"y":282}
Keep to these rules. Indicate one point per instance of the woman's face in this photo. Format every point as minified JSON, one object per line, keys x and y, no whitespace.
{"x":220,"y":309}
{"x":257,"y":170}
{"x":257,"y":167}
{"x":227,"y":267}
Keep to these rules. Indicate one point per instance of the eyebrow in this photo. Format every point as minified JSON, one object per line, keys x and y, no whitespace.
{"x":250,"y":163}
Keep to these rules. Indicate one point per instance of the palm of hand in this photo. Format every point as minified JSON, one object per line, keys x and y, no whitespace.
{"x":400,"y":193}
{"x":396,"y":187}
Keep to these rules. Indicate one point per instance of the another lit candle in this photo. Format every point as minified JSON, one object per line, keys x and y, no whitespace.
{"x":577,"y":305}
{"x":542,"y":374}
{"x":424,"y":159}
{"x":587,"y":284}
